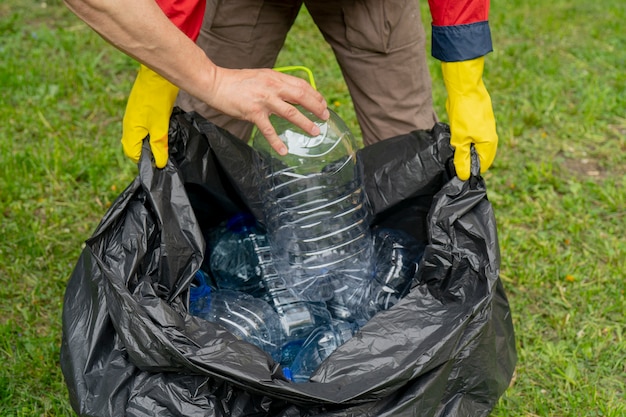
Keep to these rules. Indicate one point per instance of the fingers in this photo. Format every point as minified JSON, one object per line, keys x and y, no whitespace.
{"x":132,"y":138}
{"x":268,"y":132}
{"x":282,"y":93}
{"x":159,"y":147}
{"x":148,"y":111}
{"x":132,"y":142}
{"x":298,"y":91}
{"x":159,"y":127}
{"x":307,"y":121}
{"x":255,"y":94}
{"x":487,"y":152}
{"x":462,"y":161}
{"x":485,"y":147}
{"x":292,"y":91}
{"x":288,"y":112}
{"x":133,"y":134}
{"x":134,"y":131}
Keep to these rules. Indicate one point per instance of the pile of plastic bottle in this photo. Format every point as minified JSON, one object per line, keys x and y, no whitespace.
{"x":241,"y":290}
{"x":305,"y":284}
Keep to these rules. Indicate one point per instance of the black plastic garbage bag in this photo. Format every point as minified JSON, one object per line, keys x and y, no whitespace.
{"x":130,"y":348}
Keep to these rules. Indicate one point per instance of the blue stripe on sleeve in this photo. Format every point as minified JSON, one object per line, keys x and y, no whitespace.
{"x":461,"y":42}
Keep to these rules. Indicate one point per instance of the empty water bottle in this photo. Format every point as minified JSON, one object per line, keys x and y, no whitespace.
{"x":315,"y":209}
{"x":396,"y":258}
{"x":247,"y":318}
{"x":348,"y":300}
{"x":288,"y":353}
{"x":249,"y":267}
{"x":234,"y":261}
{"x":298,"y":318}
{"x":317,"y":347}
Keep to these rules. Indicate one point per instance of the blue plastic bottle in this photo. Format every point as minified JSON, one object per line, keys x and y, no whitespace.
{"x":247,"y":318}
{"x":317,"y":347}
{"x":234,"y":261}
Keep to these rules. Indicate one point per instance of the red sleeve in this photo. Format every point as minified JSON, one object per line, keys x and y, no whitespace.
{"x":460,"y":29}
{"x":187,"y":15}
{"x":455,"y":12}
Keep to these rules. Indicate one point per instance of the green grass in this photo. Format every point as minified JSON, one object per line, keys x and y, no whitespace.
{"x":558,"y":185}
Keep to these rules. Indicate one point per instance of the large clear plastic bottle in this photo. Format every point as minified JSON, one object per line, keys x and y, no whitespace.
{"x":315,"y":209}
{"x":317,"y":347}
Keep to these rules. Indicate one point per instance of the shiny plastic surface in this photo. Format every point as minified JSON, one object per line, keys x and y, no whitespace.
{"x":315,"y":209}
{"x":250,"y":319}
{"x":318,"y":346}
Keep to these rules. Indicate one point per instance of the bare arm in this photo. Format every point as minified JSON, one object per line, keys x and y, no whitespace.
{"x":140,"y":29}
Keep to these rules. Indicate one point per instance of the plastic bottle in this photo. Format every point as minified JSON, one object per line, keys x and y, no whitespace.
{"x":247,"y":318}
{"x":317,"y":347}
{"x":396,"y":258}
{"x":234,"y":261}
{"x":199,"y":291}
{"x":298,"y":318}
{"x":242,"y":261}
{"x":288,"y":353}
{"x":316,"y":212}
{"x":348,"y":301}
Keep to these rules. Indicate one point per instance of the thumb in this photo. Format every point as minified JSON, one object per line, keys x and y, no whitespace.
{"x":486,"y":153}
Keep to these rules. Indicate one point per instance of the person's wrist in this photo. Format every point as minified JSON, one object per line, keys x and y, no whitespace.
{"x":206,"y":86}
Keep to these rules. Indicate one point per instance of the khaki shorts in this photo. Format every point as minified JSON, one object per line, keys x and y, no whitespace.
{"x":379,"y":45}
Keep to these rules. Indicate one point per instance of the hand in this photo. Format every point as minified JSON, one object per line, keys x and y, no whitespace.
{"x":255,"y":94}
{"x":471,"y":115}
{"x":148,"y":112}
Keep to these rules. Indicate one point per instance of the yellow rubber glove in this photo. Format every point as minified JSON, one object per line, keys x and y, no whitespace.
{"x":471,"y":115}
{"x":148,"y":112}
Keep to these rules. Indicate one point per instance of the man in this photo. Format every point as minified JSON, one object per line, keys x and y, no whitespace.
{"x":378,"y":44}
